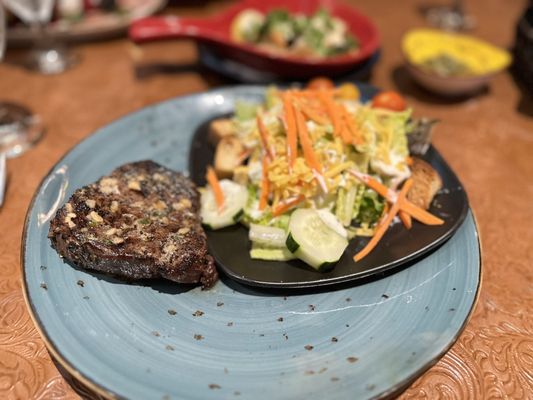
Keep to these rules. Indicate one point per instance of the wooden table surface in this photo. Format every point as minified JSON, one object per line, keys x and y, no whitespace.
{"x":488,"y":140}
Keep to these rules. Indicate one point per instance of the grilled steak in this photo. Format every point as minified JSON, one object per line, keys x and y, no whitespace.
{"x":139,"y":222}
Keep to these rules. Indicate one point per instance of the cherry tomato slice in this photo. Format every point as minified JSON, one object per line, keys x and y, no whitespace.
{"x":389,"y":100}
{"x":320,"y":82}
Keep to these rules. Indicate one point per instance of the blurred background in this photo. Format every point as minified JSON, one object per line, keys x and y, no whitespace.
{"x":77,"y":41}
{"x":74,"y":42}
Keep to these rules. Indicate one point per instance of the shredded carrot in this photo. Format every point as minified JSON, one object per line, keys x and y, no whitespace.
{"x":381,"y":189}
{"x":264,"y":137}
{"x":385,"y":222}
{"x":292,"y":136}
{"x":313,"y":114}
{"x":286,"y":206}
{"x":356,"y":137}
{"x":344,"y":130}
{"x":305,"y":141}
{"x":211,"y":177}
{"x":265,"y":185}
{"x":414,"y":211}
{"x":244,"y":155}
{"x":406,"y":219}
{"x":384,"y":213}
{"x":334,"y":116}
{"x":313,"y":93}
{"x":420,"y":214}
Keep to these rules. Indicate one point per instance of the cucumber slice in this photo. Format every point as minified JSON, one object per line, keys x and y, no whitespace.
{"x":331,"y":221}
{"x":235,"y":197}
{"x":268,"y":236}
{"x":312,"y":241}
{"x":271,"y":253}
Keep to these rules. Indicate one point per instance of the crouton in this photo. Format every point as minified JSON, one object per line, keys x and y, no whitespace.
{"x":426,"y":183}
{"x":240,"y":175}
{"x":228,"y":156}
{"x":220,"y":128}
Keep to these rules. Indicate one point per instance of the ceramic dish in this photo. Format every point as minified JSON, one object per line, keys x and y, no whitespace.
{"x":448,"y":86}
{"x":92,"y":27}
{"x":163,"y":340}
{"x":482,"y":59}
{"x":215,"y":33}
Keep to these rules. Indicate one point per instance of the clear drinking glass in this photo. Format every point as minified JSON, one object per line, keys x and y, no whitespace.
{"x":48,"y":56}
{"x":19,"y":127}
{"x":450,"y":17}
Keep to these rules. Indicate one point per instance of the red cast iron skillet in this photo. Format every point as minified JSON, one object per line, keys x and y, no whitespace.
{"x":214,"y":32}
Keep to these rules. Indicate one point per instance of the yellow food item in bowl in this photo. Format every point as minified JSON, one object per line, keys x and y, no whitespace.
{"x":423,"y":46}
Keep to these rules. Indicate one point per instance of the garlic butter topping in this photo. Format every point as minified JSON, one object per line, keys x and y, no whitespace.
{"x":111,"y":231}
{"x":109,"y":186}
{"x":182,"y":204}
{"x":134,"y":185}
{"x":160,"y":205}
{"x":93,"y":216}
{"x":184,"y":231}
{"x":159,"y":177}
{"x":168,"y":250}
{"x":68,"y":218}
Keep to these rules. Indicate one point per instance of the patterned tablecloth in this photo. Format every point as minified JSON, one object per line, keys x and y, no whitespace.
{"x":488,"y":141}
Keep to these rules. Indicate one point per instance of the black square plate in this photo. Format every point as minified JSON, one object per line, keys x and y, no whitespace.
{"x":230,"y":246}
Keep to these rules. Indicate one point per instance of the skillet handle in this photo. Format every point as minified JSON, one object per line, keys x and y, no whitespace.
{"x":169,"y":27}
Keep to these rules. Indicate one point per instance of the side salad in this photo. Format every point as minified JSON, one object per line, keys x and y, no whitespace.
{"x":318,"y":35}
{"x":312,"y":169}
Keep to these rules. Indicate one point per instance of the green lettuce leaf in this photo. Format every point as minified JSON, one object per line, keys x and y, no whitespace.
{"x":370,"y":208}
{"x":245,"y":111}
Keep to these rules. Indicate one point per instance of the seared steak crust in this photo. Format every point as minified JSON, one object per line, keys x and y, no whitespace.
{"x":140,"y":222}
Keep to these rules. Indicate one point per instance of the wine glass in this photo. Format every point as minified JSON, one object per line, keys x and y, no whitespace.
{"x":450,"y":17}
{"x":19,"y":127}
{"x":48,"y":56}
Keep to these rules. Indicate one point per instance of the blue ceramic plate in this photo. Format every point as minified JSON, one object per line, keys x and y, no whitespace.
{"x":169,"y":341}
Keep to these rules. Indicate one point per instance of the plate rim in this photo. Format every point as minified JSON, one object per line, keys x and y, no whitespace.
{"x":107,"y":393}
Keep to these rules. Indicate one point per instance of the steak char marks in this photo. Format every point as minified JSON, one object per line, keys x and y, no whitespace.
{"x":140,"y":222}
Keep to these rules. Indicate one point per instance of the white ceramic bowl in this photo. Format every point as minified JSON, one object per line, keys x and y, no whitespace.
{"x":483,"y":59}
{"x":449,"y":85}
